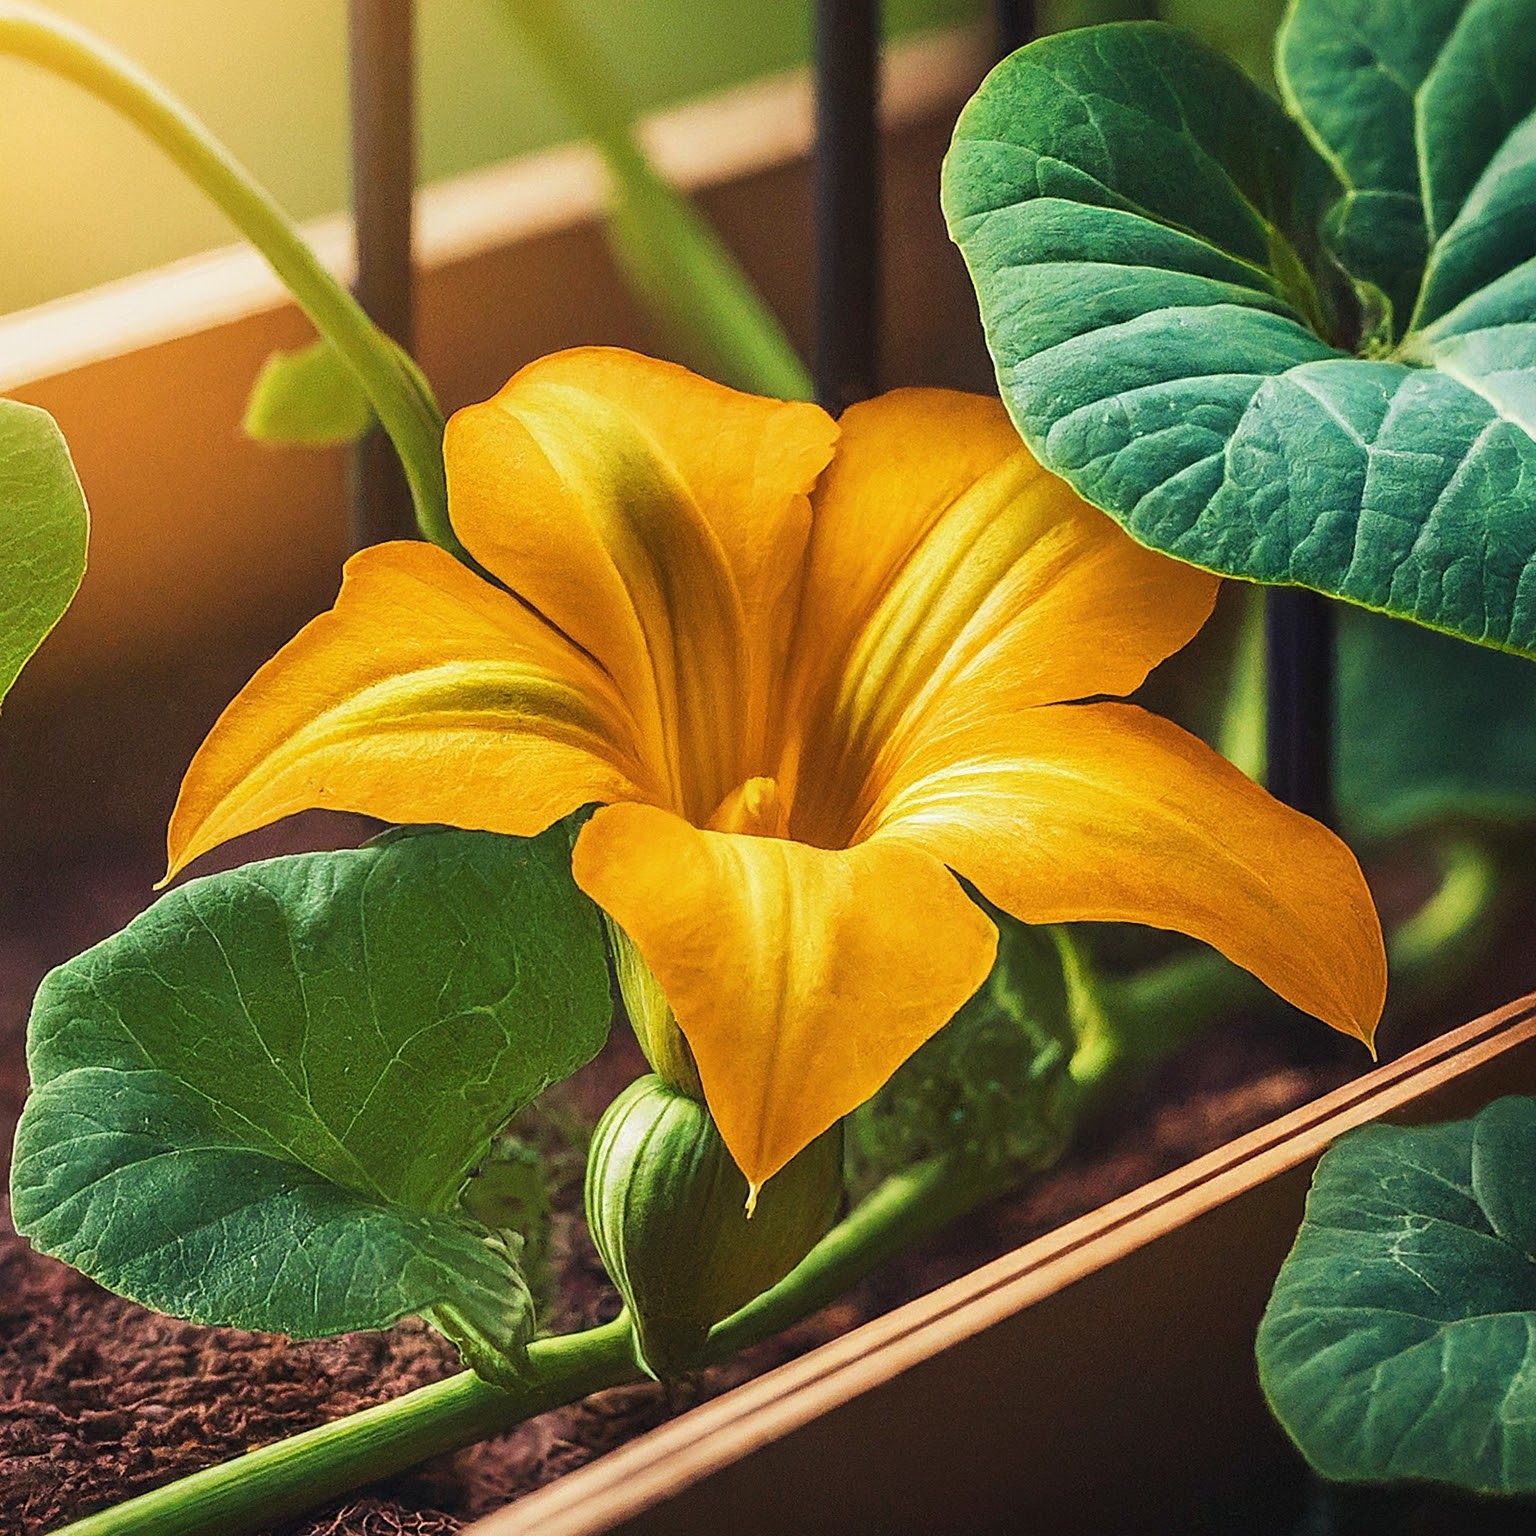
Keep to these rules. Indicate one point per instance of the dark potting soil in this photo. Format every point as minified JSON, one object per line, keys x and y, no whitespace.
{"x":101,"y":1398}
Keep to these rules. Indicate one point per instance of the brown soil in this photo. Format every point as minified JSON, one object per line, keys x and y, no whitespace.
{"x":100,"y":1398}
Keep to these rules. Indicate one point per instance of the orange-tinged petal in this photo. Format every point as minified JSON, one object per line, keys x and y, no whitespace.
{"x":801,"y":977}
{"x":425,"y":694}
{"x":1104,"y":812}
{"x":659,"y":520}
{"x":997,"y":583}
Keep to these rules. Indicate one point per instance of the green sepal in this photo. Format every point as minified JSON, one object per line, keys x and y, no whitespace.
{"x":1400,"y":1341}
{"x":259,"y":1104}
{"x":311,"y":396}
{"x":668,"y":1211}
{"x":43,"y":531}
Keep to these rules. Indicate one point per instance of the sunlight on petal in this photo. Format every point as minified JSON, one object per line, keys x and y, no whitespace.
{"x":994,"y":585}
{"x":425,"y":695}
{"x":801,"y":978}
{"x":660,"y":520}
{"x":1102,"y":812}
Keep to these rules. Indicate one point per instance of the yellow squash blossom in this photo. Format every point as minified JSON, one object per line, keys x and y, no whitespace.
{"x":807,"y":669}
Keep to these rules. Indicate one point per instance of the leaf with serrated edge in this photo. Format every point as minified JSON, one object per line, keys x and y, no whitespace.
{"x":1400,"y":1341}
{"x":43,"y":530}
{"x":1149,"y":235}
{"x":258,"y":1104}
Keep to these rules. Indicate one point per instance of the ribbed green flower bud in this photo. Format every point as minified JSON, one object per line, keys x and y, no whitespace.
{"x":667,"y":1206}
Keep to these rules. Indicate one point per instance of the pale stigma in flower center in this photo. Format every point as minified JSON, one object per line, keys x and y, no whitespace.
{"x":754,"y":808}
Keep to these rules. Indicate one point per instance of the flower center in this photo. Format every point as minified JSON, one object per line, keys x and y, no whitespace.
{"x":752,"y":808}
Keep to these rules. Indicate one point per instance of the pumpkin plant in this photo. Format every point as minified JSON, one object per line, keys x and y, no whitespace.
{"x":813,"y":732}
{"x":1293,"y":343}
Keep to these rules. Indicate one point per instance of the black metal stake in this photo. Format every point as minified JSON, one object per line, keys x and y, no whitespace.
{"x":1015,"y":25}
{"x":382,"y":80}
{"x":847,"y":198}
{"x":1299,"y":651}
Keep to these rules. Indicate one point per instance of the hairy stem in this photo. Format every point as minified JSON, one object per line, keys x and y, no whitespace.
{"x":253,"y":1491}
{"x":395,"y":388}
{"x":266,"y":1485}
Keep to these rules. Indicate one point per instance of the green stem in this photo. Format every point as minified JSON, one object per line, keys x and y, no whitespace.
{"x":906,"y":1208}
{"x":670,"y":254}
{"x":255,"y":1490}
{"x":394,"y":386}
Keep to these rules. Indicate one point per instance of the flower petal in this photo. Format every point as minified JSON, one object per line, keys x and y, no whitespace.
{"x":425,"y":694}
{"x":801,"y":977}
{"x":945,"y":561}
{"x":659,"y":520}
{"x":1104,"y":812}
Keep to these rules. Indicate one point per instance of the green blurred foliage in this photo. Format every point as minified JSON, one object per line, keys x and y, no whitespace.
{"x":1245,"y":29}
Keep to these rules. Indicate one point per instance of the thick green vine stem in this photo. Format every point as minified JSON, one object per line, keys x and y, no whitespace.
{"x":400,"y":396}
{"x":286,"y":1478}
{"x":293,"y":1475}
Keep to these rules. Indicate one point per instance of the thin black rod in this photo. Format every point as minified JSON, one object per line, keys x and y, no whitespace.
{"x":1299,"y":665}
{"x":382,"y":78}
{"x":1015,"y":24}
{"x":847,"y":198}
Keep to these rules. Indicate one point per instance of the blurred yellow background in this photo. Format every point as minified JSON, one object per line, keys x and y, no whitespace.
{"x":86,"y":200}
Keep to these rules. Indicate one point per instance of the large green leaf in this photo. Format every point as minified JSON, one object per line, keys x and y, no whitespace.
{"x":1153,"y":242}
{"x":1400,"y":1341}
{"x":43,"y":528}
{"x":258,"y":1104}
{"x":1430,"y":730}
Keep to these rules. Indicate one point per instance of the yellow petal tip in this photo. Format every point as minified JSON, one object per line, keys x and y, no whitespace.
{"x":752,"y":1192}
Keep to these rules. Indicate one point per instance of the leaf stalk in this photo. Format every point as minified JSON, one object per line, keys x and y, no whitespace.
{"x":395,"y":387}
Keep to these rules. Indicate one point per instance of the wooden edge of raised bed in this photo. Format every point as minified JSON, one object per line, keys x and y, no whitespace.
{"x":1442,"y":1079}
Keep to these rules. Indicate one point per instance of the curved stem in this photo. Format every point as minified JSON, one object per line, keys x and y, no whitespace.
{"x":906,"y":1208}
{"x":393,"y":384}
{"x":266,"y":1485}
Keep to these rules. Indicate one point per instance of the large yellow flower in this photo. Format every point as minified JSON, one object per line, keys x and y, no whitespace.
{"x":804,"y":688}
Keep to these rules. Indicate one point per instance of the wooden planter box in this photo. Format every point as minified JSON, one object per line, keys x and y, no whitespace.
{"x":1097,"y":1380}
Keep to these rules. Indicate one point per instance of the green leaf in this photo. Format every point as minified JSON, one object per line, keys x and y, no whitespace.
{"x":1430,"y":730}
{"x":311,"y":396}
{"x":995,"y":1084}
{"x":1420,"y":110}
{"x":258,"y":1104}
{"x":1400,"y":1341}
{"x":43,"y":531}
{"x":1154,"y":245}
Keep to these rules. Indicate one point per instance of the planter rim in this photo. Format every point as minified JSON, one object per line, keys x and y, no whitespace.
{"x":703,"y":143}
{"x":674,"y":1456}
